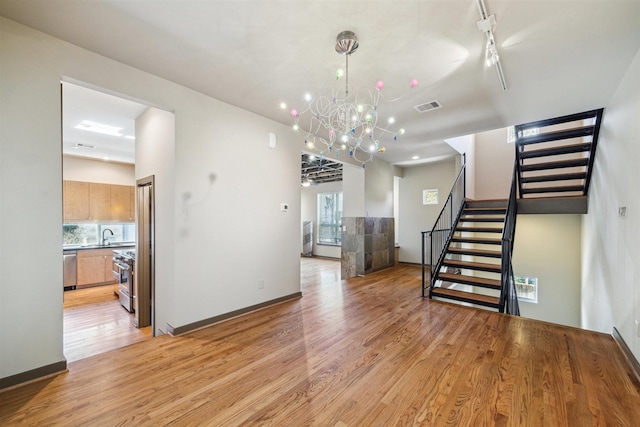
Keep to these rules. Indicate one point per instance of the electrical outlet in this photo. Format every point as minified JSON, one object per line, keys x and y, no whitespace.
{"x":284,"y":207}
{"x":260,"y":284}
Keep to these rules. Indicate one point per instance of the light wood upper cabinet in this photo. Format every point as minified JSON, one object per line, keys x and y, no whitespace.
{"x":132,"y":201}
{"x":99,"y":201}
{"x":76,"y":200}
{"x":121,"y":203}
{"x":84,"y":201}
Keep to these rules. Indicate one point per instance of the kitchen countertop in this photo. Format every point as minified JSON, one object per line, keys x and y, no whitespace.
{"x":118,"y":245}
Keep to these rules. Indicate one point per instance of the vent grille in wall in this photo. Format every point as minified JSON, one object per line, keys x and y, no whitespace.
{"x":427,"y":106}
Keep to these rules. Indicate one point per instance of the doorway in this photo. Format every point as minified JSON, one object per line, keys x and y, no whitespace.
{"x":98,"y":145}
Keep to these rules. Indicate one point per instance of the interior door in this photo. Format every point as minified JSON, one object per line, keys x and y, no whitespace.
{"x":144,"y":275}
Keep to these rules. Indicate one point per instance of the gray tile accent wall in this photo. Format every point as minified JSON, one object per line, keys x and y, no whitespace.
{"x":368,"y":245}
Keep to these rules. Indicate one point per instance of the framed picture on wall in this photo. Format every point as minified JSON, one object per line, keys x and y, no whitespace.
{"x":429,"y":197}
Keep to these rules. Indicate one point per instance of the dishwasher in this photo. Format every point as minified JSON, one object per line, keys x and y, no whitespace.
{"x":70,"y":270}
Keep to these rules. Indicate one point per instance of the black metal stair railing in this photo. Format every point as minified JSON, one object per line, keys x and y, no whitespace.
{"x":508,"y":295}
{"x":437,"y":240}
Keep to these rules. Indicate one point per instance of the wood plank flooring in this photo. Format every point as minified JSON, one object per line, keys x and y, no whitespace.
{"x":364,"y":352}
{"x":95,"y":322}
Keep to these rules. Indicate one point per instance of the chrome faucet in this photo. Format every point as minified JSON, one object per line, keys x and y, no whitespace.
{"x":105,"y":241}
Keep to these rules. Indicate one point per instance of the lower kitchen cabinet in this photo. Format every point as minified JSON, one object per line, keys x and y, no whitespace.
{"x":95,"y":267}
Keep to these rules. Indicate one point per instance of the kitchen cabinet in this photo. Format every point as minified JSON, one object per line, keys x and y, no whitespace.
{"x":121,"y":203}
{"x":97,"y":202}
{"x":132,"y":201}
{"x":94,"y":267}
{"x":76,"y":200}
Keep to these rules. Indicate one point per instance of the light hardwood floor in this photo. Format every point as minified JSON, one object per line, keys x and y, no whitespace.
{"x":95,"y":322}
{"x":364,"y":352}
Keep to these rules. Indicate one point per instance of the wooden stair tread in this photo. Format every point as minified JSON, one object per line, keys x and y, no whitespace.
{"x":553,"y":177}
{"x":560,"y":189}
{"x":470,"y":280}
{"x":576,"y":132}
{"x":479,"y":240}
{"x":480,"y":299}
{"x":481,"y":266}
{"x":465,"y":218}
{"x":479,"y":229}
{"x":555,"y":165}
{"x":475,"y":252}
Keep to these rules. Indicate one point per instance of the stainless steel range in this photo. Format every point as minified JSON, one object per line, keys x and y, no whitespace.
{"x":123,"y":270}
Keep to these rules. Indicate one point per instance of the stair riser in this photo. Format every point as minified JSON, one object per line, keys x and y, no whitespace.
{"x":470,"y":301}
{"x":485,"y":269}
{"x":552,"y":189}
{"x":487,"y":211}
{"x":471,"y":252}
{"x":549,"y":178}
{"x":476,"y":241}
{"x":478,"y":230}
{"x":481,"y":219}
{"x":554,"y":165}
{"x":556,"y":136}
{"x":472,"y":284}
{"x":556,"y":151}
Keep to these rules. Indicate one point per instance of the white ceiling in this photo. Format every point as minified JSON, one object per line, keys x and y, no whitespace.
{"x":559,"y":57}
{"x":80,"y":103}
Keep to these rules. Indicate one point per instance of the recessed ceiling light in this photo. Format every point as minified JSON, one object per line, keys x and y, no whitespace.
{"x":415,"y":157}
{"x":106,"y":159}
{"x":129,"y":137}
{"x":99,"y":128}
{"x":283,"y":105}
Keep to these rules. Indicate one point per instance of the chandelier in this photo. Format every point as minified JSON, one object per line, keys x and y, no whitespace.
{"x":347,"y":121}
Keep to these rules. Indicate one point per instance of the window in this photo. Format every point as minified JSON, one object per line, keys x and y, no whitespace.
{"x":527,"y":288}
{"x":330,"y":218}
{"x":511,"y":133}
{"x":91,"y":234}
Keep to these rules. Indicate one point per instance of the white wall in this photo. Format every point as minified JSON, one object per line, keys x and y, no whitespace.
{"x":610,"y":253}
{"x":414,"y":216}
{"x":548,"y":247}
{"x":494,"y":159}
{"x":155,"y":153}
{"x":378,"y":187}
{"x":353,"y":191}
{"x":31,"y":203}
{"x":89,"y":170}
{"x":309,"y":212}
{"x":467,"y":145}
{"x":222,"y":245}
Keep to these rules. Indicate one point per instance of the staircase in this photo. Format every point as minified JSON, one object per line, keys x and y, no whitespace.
{"x":471,"y":244}
{"x":554,"y":159}
{"x":472,"y":259}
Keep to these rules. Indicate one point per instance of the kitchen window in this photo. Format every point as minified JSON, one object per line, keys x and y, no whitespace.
{"x":330,"y":218}
{"x":91,"y":234}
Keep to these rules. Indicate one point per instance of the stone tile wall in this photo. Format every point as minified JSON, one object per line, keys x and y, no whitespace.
{"x":368,"y":245}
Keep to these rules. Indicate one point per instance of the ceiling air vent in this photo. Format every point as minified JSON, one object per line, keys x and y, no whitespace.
{"x":427,"y":106}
